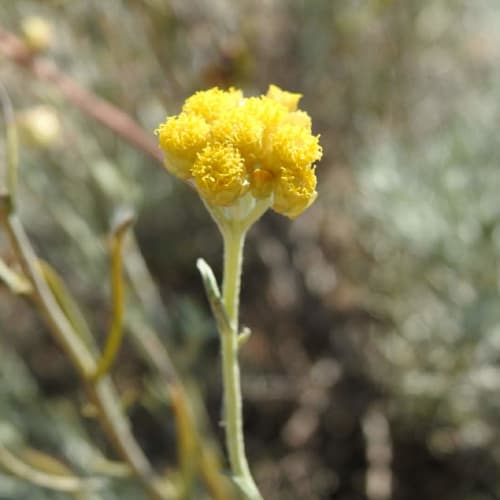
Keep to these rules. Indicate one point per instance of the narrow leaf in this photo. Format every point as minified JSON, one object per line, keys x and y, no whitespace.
{"x":213,"y":294}
{"x":122,"y":222}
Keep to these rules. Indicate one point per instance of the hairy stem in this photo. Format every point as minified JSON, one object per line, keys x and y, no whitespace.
{"x":233,"y":253}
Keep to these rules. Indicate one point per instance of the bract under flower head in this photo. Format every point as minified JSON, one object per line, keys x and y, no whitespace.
{"x":234,"y":148}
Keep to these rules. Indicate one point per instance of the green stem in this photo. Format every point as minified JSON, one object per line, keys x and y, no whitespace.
{"x":234,"y":239}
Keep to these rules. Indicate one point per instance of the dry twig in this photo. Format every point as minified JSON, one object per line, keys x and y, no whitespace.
{"x":105,"y":113}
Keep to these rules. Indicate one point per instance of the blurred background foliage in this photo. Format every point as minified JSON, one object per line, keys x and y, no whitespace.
{"x":372,"y":371}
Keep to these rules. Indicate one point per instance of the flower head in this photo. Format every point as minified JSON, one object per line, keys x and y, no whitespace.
{"x":238,"y":149}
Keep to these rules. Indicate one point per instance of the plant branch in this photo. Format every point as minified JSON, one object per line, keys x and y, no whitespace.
{"x":71,"y":343}
{"x":67,"y":304}
{"x":102,"y":111}
{"x":102,"y":392}
{"x":65,"y":483}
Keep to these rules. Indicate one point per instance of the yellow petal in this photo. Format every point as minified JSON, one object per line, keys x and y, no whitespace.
{"x":289,"y":99}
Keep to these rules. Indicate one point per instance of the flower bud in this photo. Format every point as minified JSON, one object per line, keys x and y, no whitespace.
{"x":40,"y":127}
{"x":37,"y":33}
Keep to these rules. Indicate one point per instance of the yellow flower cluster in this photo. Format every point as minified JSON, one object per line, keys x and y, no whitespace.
{"x":230,"y":146}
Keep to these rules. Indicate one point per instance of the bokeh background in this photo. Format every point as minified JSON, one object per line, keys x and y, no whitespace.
{"x":373,"y":368}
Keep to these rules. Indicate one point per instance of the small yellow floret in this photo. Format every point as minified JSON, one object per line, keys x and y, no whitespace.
{"x":182,"y":137}
{"x":295,"y":191}
{"x":241,"y":129}
{"x":289,"y":99}
{"x":269,"y":112}
{"x":220,"y":175}
{"x":293,"y":147}
{"x":210,"y":104}
{"x":301,"y":119}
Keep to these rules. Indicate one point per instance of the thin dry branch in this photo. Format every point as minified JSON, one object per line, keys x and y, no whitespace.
{"x":102,"y":111}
